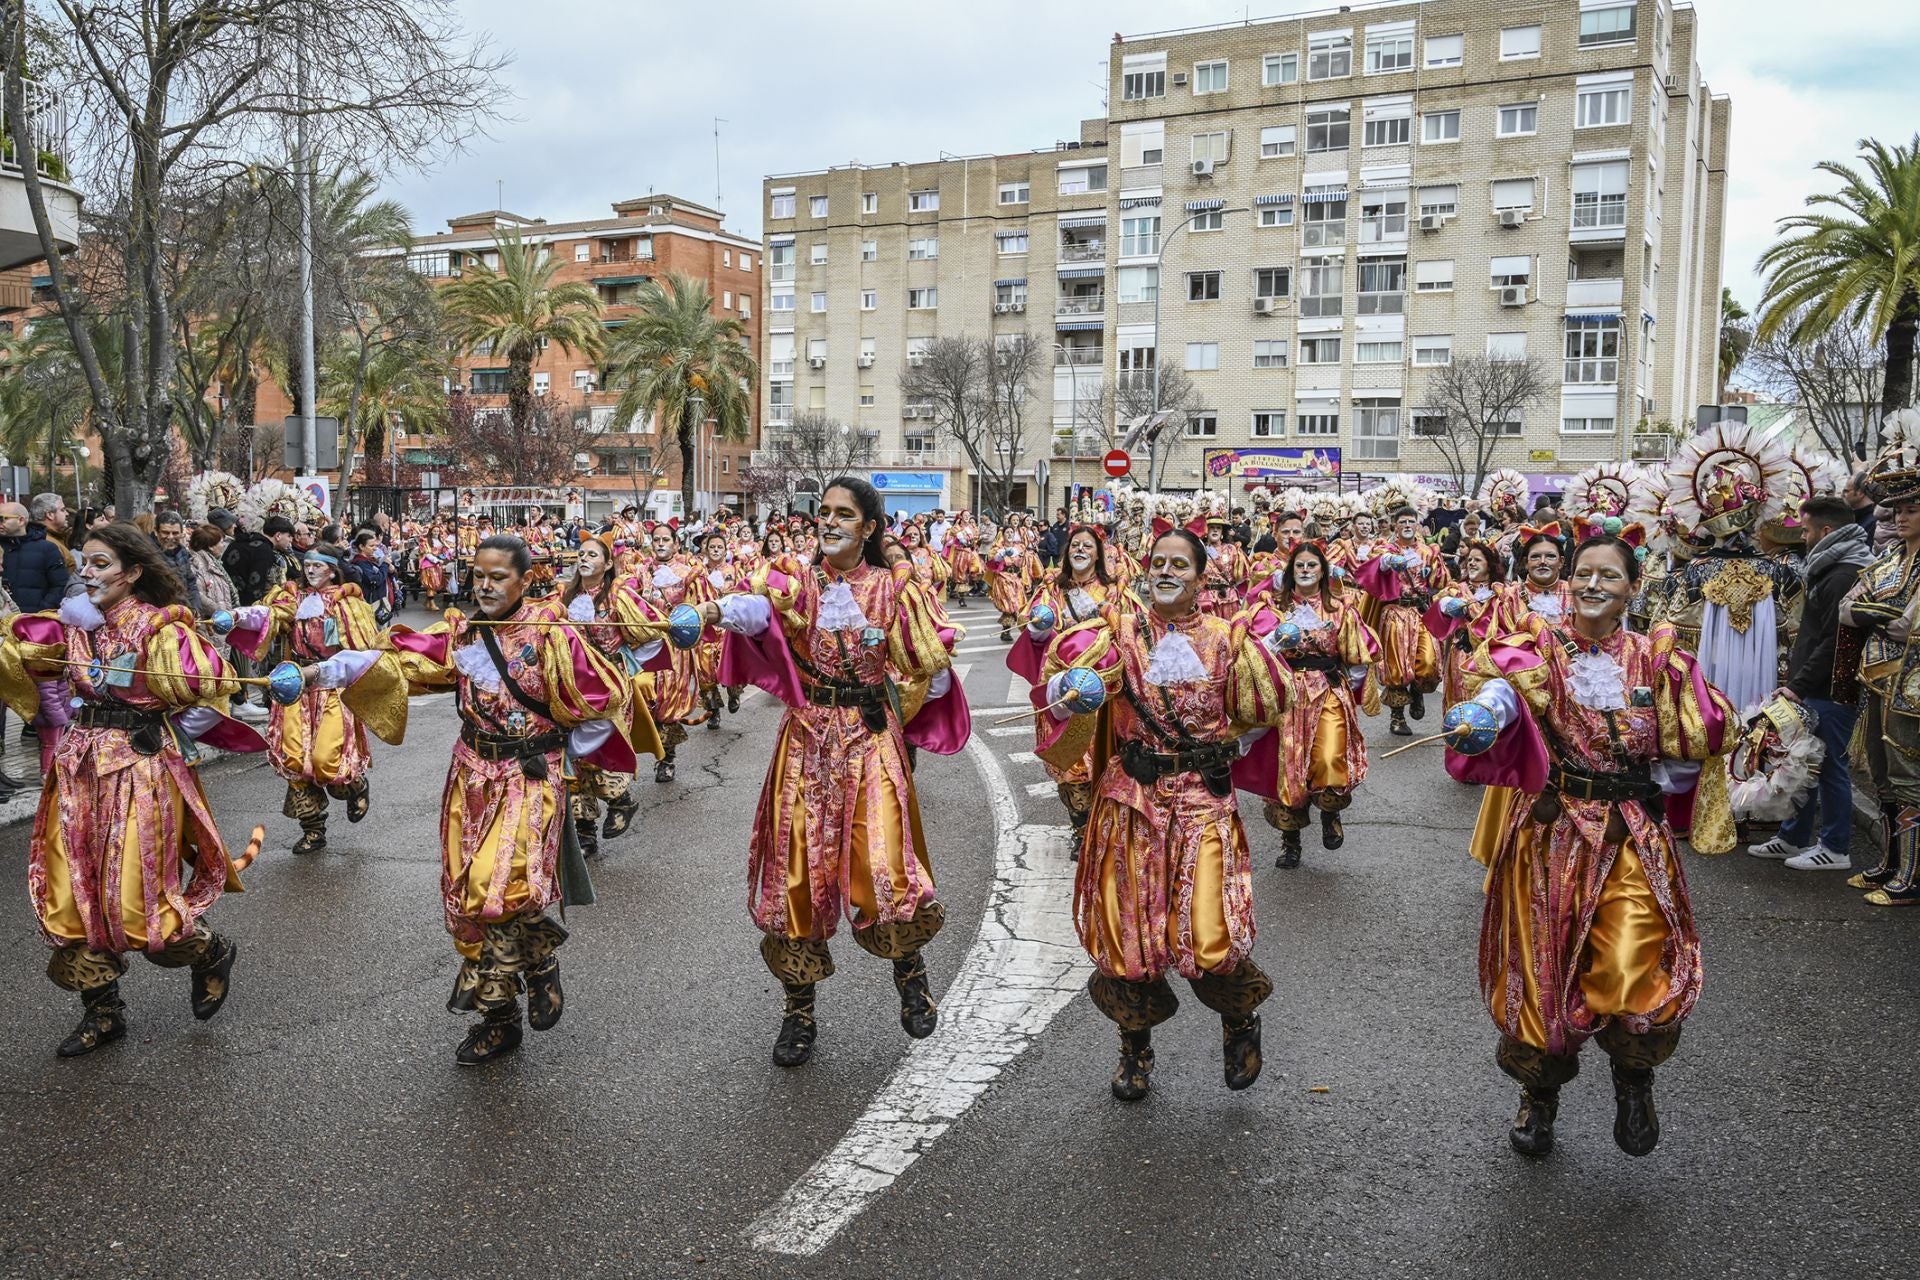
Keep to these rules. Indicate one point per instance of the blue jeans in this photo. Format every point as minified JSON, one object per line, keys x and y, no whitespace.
{"x":1833,"y":801}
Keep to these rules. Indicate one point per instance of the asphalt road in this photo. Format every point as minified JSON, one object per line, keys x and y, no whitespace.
{"x":319,"y":1126}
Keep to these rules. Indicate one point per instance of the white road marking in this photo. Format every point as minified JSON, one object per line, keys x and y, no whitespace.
{"x":1021,"y":757}
{"x":1023,"y":968}
{"x":991,"y":647}
{"x":1041,"y":788}
{"x":1009,"y":730}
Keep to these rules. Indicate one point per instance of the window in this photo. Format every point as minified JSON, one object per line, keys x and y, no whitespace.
{"x":1513,"y":193}
{"x":1203,"y":355}
{"x":1276,"y":215}
{"x":1511,"y":272}
{"x":1015,"y":193}
{"x":1203,"y":286}
{"x":1446,"y":51}
{"x":1011,"y":294}
{"x":1389,"y":53}
{"x":1329,"y":56}
{"x":726,"y":300}
{"x":1321,"y":283}
{"x":867,"y":398}
{"x":1142,"y":143}
{"x":1439,"y":201}
{"x":1012,"y":242}
{"x":816,"y":350}
{"x":867,"y":351}
{"x":922,"y":299}
{"x":869,"y":250}
{"x":746,"y":262}
{"x":1433,"y":350}
{"x":1275,"y":141}
{"x":726,"y":257}
{"x":1317,"y":424}
{"x":816,"y":397}
{"x":781,"y":205}
{"x":1392,"y":131}
{"x":780,"y":262}
{"x":1519,"y":120}
{"x":818,"y":257}
{"x":1440,"y":126}
{"x":917,"y":349}
{"x":1139,"y":237}
{"x":816,"y":206}
{"x":923,"y":201}
{"x":583,"y":380}
{"x":1208,"y":220}
{"x":1376,"y":428}
{"x":1382,"y":286}
{"x":1203,"y":426}
{"x":781,"y":302}
{"x":1606,"y":26}
{"x":1082,"y":179}
{"x":1210,"y":77}
{"x":541,"y":383}
{"x":869,"y":202}
{"x":1384,"y":352}
{"x":1143,"y":75}
{"x":1519,"y":42}
{"x":1426,"y":424}
{"x":1272,"y":282}
{"x":1326,"y":219}
{"x":923,"y":249}
{"x":1586,"y":426}
{"x":1603,"y":105}
{"x":1319,"y":350}
{"x":1211,"y":146}
{"x":869,"y":299}
{"x":1139,"y":284}
{"x":1506,"y":346}
{"x":1136,"y":365}
{"x":1433,"y":275}
{"x":1593,"y":349}
{"x":1600,"y":195}
{"x":489,"y":382}
{"x":1279,"y":68}
{"x":1270,"y":353}
{"x":582,"y":251}
{"x":1383,"y":217}
{"x":1268,"y":422}
{"x":1328,"y":129}
{"x":819,"y":303}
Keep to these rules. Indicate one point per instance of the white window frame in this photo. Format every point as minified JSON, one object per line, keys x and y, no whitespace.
{"x":1586,"y":427}
{"x":583,"y":252}
{"x":1271,"y":353}
{"x":1369,"y":440}
{"x":868,"y":397}
{"x":1276,"y":215}
{"x":1596,"y":205}
{"x":1533,"y":194}
{"x":1319,"y":425}
{"x":1426,"y":345}
{"x":927,"y":201}
{"x":1509,"y":279}
{"x":1377,"y":45}
{"x":1525,"y":114}
{"x":1438,"y":208}
{"x":869,"y":202}
{"x":1202,"y":425}
{"x":1430,"y":60}
{"x":923,"y":249}
{"x":1207,"y":354}
{"x":1592,"y":104}
{"x":1603,"y":37}
{"x":1267,"y":424}
{"x":1333,"y":115}
{"x":1434,"y":123}
{"x":1208,"y":282}
{"x":1433,"y":275}
{"x":817,"y":302}
{"x":1330,"y":50}
{"x":1215,"y":145}
{"x":817,"y":254}
{"x":1384,"y":350}
{"x":782,"y":204}
{"x":1083,"y":175}
{"x":1263,"y":288}
{"x":1148,"y":278}
{"x":869,"y":299}
{"x":1208,"y":220}
{"x":1321,"y":345}
{"x":1016,"y":193}
{"x":1212,"y":68}
{"x":816,"y":206}
{"x":1517,"y":46}
{"x":789,"y":299}
{"x":1400,"y":124}
{"x":1132,"y":245}
{"x":1502,"y":346}
{"x":1279,"y":68}
{"x":923,"y":299}
{"x":869,"y":251}
{"x":1012,"y":244}
{"x":1278,"y":141}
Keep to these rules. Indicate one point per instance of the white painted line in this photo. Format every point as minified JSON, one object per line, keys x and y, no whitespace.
{"x":1042,"y":788}
{"x":1023,"y":968}
{"x":1021,"y":757}
{"x":1010,"y":731}
{"x":994,"y":647}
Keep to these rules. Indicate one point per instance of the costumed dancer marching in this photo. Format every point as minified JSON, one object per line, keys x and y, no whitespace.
{"x":1012,"y":569}
{"x":964,"y":565}
{"x":714,"y":579}
{"x":1404,"y":578}
{"x":534,"y":694}
{"x":125,"y":855}
{"x":1588,"y":930}
{"x":673,"y":692}
{"x":1223,"y":587}
{"x":1334,"y":657}
{"x":1459,"y":621}
{"x":1165,"y":881}
{"x":853,"y":649}
{"x":316,"y":743}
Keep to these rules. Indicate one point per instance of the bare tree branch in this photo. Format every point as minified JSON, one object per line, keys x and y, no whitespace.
{"x":1467,"y":408}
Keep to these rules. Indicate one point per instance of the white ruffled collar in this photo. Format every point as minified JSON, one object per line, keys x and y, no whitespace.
{"x":839,"y":611}
{"x":79,"y":611}
{"x":1597,"y":682}
{"x":1174,"y":661}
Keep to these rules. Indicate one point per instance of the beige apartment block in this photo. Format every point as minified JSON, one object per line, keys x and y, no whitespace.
{"x":1307,"y":215}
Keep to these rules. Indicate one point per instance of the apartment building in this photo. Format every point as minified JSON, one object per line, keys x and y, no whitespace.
{"x":1308,"y":215}
{"x":646,"y":237}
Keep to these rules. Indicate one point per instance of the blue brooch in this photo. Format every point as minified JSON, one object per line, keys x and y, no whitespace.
{"x":873,"y":637}
{"x":528,"y":654}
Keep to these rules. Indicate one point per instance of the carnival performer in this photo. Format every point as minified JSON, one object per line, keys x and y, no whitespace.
{"x":125,"y":855}
{"x":1588,"y":930}
{"x":1404,"y":577}
{"x":1223,"y":586}
{"x":965,"y":568}
{"x":665,"y":581}
{"x":1165,"y":880}
{"x":1075,"y":594}
{"x":316,"y":744}
{"x":929,"y":570}
{"x":714,"y":579}
{"x":1460,"y":620}
{"x":1503,"y":498}
{"x":854,"y":651}
{"x":1316,"y":628}
{"x":1012,"y":569}
{"x":534,"y":694}
{"x":436,"y":565}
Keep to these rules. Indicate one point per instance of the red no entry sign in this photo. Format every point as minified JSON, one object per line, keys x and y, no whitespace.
{"x":1117,"y":462}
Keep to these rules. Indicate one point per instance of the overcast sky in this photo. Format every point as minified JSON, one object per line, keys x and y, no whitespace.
{"x":615,"y":98}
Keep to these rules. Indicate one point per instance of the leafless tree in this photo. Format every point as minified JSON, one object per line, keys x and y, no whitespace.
{"x":807,"y":453}
{"x":1468,"y":405}
{"x":487,"y":448}
{"x":1123,"y":415}
{"x":980,"y":393}
{"x":165,"y":99}
{"x":1834,"y":382}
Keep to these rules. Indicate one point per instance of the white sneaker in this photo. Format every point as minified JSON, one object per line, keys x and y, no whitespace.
{"x":1779,"y":849}
{"x":1821,"y":858}
{"x":251,"y":712}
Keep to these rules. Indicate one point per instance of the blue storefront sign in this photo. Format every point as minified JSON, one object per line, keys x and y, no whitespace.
{"x":909,"y":492}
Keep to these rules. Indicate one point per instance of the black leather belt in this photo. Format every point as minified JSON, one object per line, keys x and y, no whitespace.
{"x":1315,"y":662}
{"x":849,"y":694}
{"x":98,"y":715}
{"x":501,"y":746}
{"x":1635,"y":783}
{"x":1214,"y":764}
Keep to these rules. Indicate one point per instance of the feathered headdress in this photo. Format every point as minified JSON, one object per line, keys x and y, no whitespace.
{"x":1604,"y":489}
{"x":272,"y":497}
{"x":1505,"y":490}
{"x":1728,"y":479}
{"x":213,"y":489}
{"x":1327,"y":509}
{"x":1895,"y":474}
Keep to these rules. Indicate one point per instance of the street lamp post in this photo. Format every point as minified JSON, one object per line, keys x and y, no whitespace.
{"x":80,"y":455}
{"x":1160,"y":284}
{"x":1073,"y":413}
{"x":697,"y":406}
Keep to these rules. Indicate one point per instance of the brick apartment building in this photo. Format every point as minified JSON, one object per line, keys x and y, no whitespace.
{"x":1308,"y":214}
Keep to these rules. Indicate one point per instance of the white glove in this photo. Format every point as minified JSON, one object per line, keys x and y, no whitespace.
{"x":746,"y":615}
{"x":342,"y":669}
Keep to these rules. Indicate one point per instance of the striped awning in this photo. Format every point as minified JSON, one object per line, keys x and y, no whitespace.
{"x":1009,"y":235}
{"x":1323,"y":197}
{"x":1082,"y":273}
{"x":1019,"y":280}
{"x":775,"y":240}
{"x":1070,"y":223}
{"x":1077,"y":326}
{"x":1285,"y":197}
{"x":605,"y":280}
{"x":1385,"y":184}
{"x":1593,"y":313}
{"x":1139,"y":202}
{"x":1200,"y":206}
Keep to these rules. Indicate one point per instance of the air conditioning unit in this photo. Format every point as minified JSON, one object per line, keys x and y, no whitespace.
{"x":866,"y":362}
{"x":1513,"y":218}
{"x":1432,"y":221}
{"x":1203,"y":168}
{"x":1001,"y":308}
{"x":816,"y":362}
{"x":1514,"y":296}
{"x":1673,"y":83}
{"x":1263,"y":306}
{"x":1179,"y":77}
{"x":1016,"y":307}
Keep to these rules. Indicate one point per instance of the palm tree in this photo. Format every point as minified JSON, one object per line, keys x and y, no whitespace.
{"x":399,"y":387}
{"x":1858,"y":264}
{"x":1735,"y":339}
{"x":680,"y":362}
{"x":44,"y":398}
{"x":512,"y":309}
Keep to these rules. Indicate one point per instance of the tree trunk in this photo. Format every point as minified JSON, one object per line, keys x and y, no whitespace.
{"x":686,"y":440}
{"x":1896,"y":390}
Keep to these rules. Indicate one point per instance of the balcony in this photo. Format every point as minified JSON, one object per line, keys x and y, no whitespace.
{"x":1323,"y":235}
{"x":19,"y":239}
{"x":1090,"y":304}
{"x":1594,"y":293}
{"x":1064,"y":357}
{"x":1083,"y":251}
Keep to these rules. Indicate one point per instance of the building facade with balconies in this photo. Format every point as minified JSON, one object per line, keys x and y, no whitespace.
{"x":1310,"y":215}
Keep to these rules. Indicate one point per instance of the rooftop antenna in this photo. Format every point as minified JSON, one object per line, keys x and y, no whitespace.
{"x":499,"y":193}
{"x":717,"y":122}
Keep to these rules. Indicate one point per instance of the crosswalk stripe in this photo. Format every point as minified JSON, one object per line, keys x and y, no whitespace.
{"x":1009,"y":731}
{"x":1022,"y":757}
{"x":1041,"y":788}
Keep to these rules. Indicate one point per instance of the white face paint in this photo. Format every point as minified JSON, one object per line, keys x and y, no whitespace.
{"x":1080,"y":552}
{"x":1601,"y":587}
{"x":1306,"y":572}
{"x":1173,"y":576}
{"x":1543,"y":565}
{"x":106,"y":581}
{"x":318,"y":575}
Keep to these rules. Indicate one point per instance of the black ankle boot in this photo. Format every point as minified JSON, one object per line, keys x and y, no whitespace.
{"x":313,"y":836}
{"x":797,"y":1027}
{"x":210,"y":977}
{"x":918,"y":1013}
{"x":495,"y":1036}
{"x":465,"y":983}
{"x":1131,"y":1077}
{"x":587,"y":832}
{"x":1636,"y":1126}
{"x":1240,"y":1048}
{"x":1417,"y":703}
{"x":1532,"y":1132}
{"x":1079,"y":821}
{"x":620,"y":815}
{"x":1289,"y":850}
{"x":1398,"y":726}
{"x":733,"y":699}
{"x":1332,"y":833}
{"x":1889,"y":860}
{"x":103,"y":1021}
{"x":545,"y":1003}
{"x":663,"y":772}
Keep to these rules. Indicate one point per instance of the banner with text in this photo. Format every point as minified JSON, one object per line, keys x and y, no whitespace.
{"x":1274,"y":464}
